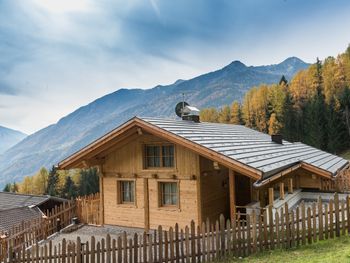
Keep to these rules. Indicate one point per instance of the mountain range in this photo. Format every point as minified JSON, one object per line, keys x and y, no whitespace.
{"x":9,"y":138}
{"x":55,"y":142}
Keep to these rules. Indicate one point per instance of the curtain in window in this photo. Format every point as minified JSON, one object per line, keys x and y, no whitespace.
{"x":169,"y":191}
{"x":153,"y":156}
{"x":168,"y":156}
{"x":127,"y":191}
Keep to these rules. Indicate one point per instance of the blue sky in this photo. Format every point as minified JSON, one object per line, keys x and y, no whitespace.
{"x":57,"y":55}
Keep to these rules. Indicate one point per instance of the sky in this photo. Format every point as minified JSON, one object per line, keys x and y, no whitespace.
{"x":58,"y":55}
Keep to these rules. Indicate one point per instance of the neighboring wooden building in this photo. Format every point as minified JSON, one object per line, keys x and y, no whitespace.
{"x":161,"y":172}
{"x":17,"y":208}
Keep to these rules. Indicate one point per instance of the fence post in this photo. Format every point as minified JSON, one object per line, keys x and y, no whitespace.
{"x":78,"y":251}
{"x":336,"y":204}
{"x":320,"y":219}
{"x":222,"y":235}
{"x":271,"y":227}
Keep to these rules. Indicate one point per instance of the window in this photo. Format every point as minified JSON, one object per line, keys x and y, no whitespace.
{"x":168,"y":194}
{"x":157,"y":156}
{"x":126,"y":191}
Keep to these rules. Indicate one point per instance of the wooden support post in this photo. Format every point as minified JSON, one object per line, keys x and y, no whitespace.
{"x":271,"y":196}
{"x":281,"y":191}
{"x":102,"y":216}
{"x":146,"y":203}
{"x":232,"y":186}
{"x":290,"y":185}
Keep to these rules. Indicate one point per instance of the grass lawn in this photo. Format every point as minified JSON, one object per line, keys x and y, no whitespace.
{"x":346,"y":155}
{"x":332,"y":250}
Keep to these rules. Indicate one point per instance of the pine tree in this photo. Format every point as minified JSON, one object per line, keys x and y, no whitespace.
{"x":336,"y":129}
{"x":316,"y":122}
{"x":52,"y":182}
{"x":289,"y":122}
{"x":316,"y":116}
{"x":7,"y":188}
{"x":89,"y":182}
{"x":69,"y":190}
{"x":345,"y":104}
{"x":283,"y":81}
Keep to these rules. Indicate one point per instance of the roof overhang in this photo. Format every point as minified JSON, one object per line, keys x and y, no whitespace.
{"x":303,"y":165}
{"x":77,"y":159}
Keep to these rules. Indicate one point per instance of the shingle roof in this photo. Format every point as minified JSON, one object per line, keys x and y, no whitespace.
{"x":250,"y":147}
{"x":14,"y":200}
{"x":16,"y":216}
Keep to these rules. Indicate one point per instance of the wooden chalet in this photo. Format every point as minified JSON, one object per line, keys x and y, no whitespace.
{"x":160,"y":172}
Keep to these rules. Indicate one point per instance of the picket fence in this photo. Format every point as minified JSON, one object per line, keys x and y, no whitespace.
{"x":88,"y":209}
{"x":211,"y":241}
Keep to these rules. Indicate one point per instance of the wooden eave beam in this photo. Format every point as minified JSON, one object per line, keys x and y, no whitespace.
{"x":82,"y":154}
{"x":317,"y":170}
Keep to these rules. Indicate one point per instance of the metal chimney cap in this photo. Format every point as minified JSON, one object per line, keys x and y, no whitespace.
{"x":190,"y":110}
{"x":277,"y":138}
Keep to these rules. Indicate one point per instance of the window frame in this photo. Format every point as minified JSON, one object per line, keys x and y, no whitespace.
{"x":161,"y":204}
{"x":120,"y":192}
{"x":161,"y":156}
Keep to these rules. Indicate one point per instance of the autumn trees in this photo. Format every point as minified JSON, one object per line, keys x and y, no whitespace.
{"x":313,"y":108}
{"x":66,"y":184}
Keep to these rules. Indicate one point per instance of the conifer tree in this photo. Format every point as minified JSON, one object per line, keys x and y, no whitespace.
{"x":7,"y":188}
{"x":336,"y":129}
{"x":89,"y":182}
{"x":52,"y":182}
{"x":69,"y":190}
{"x":345,"y":104}
{"x":283,"y":81}
{"x":289,"y":122}
{"x":316,"y":127}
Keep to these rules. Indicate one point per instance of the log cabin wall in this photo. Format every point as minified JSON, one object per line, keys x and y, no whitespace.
{"x":126,"y":163}
{"x":214,"y":190}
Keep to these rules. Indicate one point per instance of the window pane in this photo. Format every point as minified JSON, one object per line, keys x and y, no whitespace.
{"x":127,"y":191}
{"x":152,"y":156}
{"x":169,"y":193}
{"x":168,"y":155}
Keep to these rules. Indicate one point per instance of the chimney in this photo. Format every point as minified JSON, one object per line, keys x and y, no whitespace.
{"x":277,"y":138}
{"x":190,"y":113}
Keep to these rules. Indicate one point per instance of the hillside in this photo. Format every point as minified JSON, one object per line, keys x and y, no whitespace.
{"x":9,"y":138}
{"x":51,"y":144}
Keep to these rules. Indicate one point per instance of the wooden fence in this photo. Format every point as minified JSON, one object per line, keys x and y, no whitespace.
{"x":29,"y":233}
{"x":88,"y":209}
{"x":342,"y":181}
{"x":211,"y":241}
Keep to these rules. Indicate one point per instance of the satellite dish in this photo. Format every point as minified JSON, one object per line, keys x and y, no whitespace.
{"x":179,"y":108}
